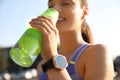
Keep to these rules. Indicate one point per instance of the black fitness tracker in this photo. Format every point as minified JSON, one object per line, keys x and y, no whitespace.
{"x":59,"y":62}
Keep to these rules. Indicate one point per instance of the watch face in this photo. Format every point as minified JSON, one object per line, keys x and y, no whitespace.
{"x":61,"y":62}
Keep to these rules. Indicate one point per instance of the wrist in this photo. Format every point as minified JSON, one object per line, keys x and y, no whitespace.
{"x":58,"y":62}
{"x":49,"y":56}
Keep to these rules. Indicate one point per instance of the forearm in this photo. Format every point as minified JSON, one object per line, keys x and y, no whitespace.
{"x":54,"y":74}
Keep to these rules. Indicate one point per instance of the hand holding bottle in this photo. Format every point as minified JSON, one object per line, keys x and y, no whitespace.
{"x":47,"y":27}
{"x":29,"y":46}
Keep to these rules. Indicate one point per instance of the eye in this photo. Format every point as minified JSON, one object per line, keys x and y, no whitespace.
{"x":50,"y":6}
{"x":66,"y":4}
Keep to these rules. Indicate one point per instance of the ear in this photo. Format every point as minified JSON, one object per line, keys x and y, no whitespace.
{"x":85,"y":12}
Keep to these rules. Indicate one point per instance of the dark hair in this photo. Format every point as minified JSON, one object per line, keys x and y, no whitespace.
{"x":86,"y":33}
{"x":116,"y":63}
{"x":85,"y":29}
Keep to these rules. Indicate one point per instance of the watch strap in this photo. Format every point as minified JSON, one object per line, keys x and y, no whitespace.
{"x":48,"y":65}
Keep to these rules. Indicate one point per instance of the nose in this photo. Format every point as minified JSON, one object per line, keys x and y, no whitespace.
{"x":57,"y":7}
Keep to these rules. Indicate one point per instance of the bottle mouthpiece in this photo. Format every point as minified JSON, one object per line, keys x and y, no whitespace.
{"x":51,"y":13}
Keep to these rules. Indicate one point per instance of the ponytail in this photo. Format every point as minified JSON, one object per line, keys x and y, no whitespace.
{"x":86,"y":33}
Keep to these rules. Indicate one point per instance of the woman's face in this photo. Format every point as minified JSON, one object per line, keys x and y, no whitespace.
{"x":70,"y":14}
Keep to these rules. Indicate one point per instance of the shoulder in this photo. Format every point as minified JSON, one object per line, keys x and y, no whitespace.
{"x":97,"y":52}
{"x":97,"y":49}
{"x":96,"y":59}
{"x":99,"y":56}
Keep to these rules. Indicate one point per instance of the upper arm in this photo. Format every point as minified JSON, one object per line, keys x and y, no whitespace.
{"x":98,"y":64}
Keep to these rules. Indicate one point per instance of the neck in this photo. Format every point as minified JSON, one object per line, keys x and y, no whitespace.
{"x":70,"y":41}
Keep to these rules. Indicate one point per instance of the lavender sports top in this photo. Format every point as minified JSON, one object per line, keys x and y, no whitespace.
{"x":71,"y":67}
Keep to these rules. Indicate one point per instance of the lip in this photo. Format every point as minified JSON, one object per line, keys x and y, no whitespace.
{"x":60,"y":19}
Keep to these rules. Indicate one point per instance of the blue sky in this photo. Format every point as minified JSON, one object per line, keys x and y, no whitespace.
{"x":103,"y":18}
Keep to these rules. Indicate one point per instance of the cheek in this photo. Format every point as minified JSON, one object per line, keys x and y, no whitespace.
{"x":78,"y":14}
{"x":75,"y":13}
{"x":74,"y":18}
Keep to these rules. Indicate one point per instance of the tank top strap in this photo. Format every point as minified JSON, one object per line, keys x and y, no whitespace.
{"x":78,"y":52}
{"x":72,"y":68}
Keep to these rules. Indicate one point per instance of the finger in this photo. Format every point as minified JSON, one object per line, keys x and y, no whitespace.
{"x":48,"y":21}
{"x":39,"y":27}
{"x":45,"y":23}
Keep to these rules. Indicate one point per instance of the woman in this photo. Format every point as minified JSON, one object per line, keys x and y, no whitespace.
{"x":86,"y":61}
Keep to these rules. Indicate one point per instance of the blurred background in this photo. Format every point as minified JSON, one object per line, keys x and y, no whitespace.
{"x":103,"y":18}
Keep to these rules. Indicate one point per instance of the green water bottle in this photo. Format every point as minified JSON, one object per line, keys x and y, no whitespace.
{"x":28,"y":47}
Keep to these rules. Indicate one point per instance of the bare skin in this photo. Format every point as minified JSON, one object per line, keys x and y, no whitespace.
{"x":94,"y":63}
